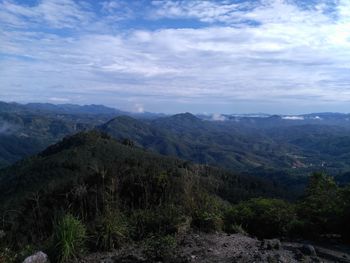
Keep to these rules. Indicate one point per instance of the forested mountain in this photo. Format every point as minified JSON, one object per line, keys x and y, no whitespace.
{"x":47,"y":108}
{"x":86,"y":155}
{"x":269,"y":146}
{"x":131,"y":188}
{"x":94,"y":176}
{"x":91,"y":192}
{"x":248,"y":145}
{"x":191,"y":138}
{"x":23,"y":134}
{"x":26,"y":129}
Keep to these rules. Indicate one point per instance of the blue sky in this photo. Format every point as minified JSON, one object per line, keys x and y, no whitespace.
{"x":273,"y":56}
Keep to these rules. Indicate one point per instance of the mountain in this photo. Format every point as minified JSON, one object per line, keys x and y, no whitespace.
{"x":48,"y":108}
{"x":89,"y":192}
{"x":278,"y":146}
{"x":24,"y":133}
{"x":89,"y":173}
{"x":73,"y":109}
{"x":267,"y":120}
{"x":270,"y":147}
{"x":188,"y":137}
{"x":26,"y":129}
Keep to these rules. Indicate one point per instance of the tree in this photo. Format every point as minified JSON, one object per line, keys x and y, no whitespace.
{"x":320,"y":209}
{"x":262,"y":217}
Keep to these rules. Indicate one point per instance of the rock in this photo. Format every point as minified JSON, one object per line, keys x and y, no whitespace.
{"x":308,"y":250}
{"x":270,"y":244}
{"x":258,"y":257}
{"x":39,"y":257}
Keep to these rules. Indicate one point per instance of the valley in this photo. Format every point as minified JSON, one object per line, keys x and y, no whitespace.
{"x":115,"y":179}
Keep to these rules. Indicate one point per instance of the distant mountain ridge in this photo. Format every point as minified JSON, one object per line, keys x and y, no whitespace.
{"x":72,"y":109}
{"x":295,"y":144}
{"x":95,"y":109}
{"x":191,"y":138}
{"x":26,"y":129}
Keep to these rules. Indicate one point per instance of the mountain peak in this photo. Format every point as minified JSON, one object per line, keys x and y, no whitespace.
{"x":185,"y":116}
{"x":78,"y":139}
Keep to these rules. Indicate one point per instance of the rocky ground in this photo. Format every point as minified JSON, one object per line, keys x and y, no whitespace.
{"x":224,"y":248}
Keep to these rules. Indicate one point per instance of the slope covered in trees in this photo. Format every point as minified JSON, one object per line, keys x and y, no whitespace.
{"x":107,"y":193}
{"x":271,"y":147}
{"x":27,"y":130}
{"x":97,"y":179}
{"x":191,"y":138}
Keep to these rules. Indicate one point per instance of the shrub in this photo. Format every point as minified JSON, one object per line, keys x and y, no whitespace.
{"x":261,"y":217}
{"x":207,"y":221}
{"x":344,"y":226}
{"x":7,"y":255}
{"x":163,"y":220}
{"x":234,"y":229}
{"x":298,"y":228}
{"x":160,"y":248}
{"x":68,"y":238}
{"x":111,"y":230}
{"x":207,"y":215}
{"x":320,"y":208}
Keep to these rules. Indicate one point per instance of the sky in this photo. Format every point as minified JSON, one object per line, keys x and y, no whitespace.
{"x":229,"y":56}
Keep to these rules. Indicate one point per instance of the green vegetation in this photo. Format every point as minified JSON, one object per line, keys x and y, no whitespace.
{"x":280,"y":150}
{"x":119,"y":192}
{"x":69,"y":236}
{"x":207,"y":214}
{"x":106,"y":194}
{"x":160,"y":247}
{"x":261,"y":217}
{"x":110,"y":231}
{"x":190,"y":138}
{"x":322,"y":211}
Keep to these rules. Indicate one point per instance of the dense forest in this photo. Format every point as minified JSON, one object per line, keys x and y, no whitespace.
{"x":90,"y":192}
{"x":267,"y":146}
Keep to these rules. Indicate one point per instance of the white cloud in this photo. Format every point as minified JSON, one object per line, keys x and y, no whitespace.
{"x":295,"y":54}
{"x":205,"y":11}
{"x":59,"y":100}
{"x":261,"y":11}
{"x":293,"y":118}
{"x":218,"y":117}
{"x":138,"y":108}
{"x":53,"y":13}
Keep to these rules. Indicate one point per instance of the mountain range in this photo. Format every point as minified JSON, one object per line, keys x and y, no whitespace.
{"x":267,"y":145}
{"x":90,"y":178}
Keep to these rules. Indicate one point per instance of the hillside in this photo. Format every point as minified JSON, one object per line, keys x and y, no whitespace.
{"x":285,"y":148}
{"x":26,"y":129}
{"x":191,"y":138}
{"x":23,"y":134}
{"x":268,"y":147}
{"x":111,"y":194}
{"x":85,"y":172}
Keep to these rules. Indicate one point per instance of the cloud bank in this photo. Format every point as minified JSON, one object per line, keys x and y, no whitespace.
{"x":170,"y":56}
